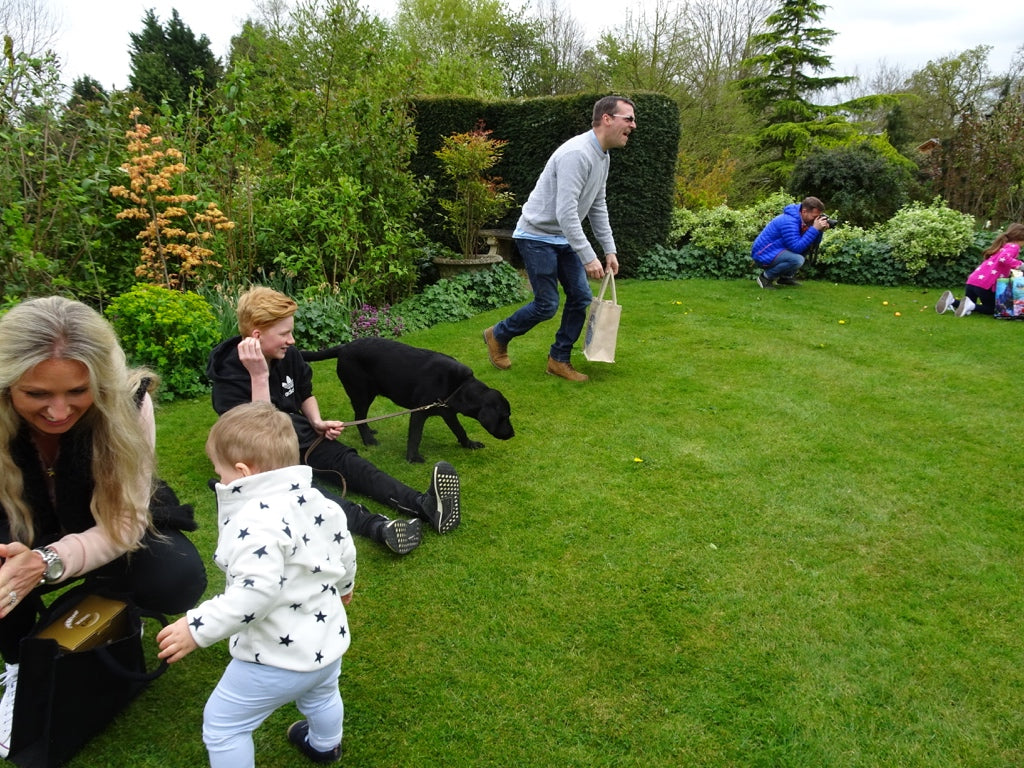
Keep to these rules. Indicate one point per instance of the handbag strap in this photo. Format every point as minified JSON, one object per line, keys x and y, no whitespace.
{"x":115,"y":666}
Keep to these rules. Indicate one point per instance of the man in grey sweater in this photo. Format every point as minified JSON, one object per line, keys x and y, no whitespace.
{"x":551,"y":240}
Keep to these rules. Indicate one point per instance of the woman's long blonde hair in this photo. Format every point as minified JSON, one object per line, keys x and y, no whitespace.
{"x":122,"y":456}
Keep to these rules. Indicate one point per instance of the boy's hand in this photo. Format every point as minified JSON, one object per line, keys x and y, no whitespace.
{"x":329,"y":429}
{"x":176,"y":642}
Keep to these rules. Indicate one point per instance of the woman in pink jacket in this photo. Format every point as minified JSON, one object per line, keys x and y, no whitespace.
{"x":980,"y":291}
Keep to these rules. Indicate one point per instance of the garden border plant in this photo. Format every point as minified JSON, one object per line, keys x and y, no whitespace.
{"x":920,"y":245}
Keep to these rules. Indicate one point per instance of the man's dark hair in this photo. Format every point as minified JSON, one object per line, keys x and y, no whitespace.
{"x":607,"y":105}
{"x":812,"y":204}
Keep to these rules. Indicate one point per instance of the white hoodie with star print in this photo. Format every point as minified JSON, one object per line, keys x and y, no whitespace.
{"x":288,"y":558}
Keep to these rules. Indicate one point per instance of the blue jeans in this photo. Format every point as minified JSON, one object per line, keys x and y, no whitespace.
{"x":784,"y":265}
{"x":548,"y":265}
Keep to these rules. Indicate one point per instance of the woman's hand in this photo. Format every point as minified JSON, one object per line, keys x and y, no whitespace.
{"x":20,"y":573}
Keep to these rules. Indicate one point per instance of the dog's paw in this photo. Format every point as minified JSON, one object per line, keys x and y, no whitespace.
{"x":472,"y":444}
{"x":415,"y":459}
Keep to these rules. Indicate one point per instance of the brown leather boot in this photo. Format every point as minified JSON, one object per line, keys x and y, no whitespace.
{"x":565,"y":370}
{"x":497,"y":351}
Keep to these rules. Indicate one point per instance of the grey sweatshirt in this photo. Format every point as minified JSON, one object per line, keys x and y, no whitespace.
{"x":571,"y":188}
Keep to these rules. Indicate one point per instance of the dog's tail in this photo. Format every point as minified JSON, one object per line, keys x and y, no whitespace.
{"x":321,"y":354}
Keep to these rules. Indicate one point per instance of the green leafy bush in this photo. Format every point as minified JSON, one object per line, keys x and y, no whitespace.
{"x":169,"y":331}
{"x":862,"y":183}
{"x":921,"y":245}
{"x":462,"y":297}
{"x":920,"y":234}
{"x":694,"y":261}
{"x":948,"y":273}
{"x":850,"y":254}
{"x":323,"y":319}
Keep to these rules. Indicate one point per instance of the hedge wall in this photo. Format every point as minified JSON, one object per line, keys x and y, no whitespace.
{"x":640,"y":183}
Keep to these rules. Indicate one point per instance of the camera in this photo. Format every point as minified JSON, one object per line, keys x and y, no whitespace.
{"x":832,"y":222}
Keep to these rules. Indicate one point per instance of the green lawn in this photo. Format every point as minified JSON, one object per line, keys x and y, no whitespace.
{"x":780,"y":531}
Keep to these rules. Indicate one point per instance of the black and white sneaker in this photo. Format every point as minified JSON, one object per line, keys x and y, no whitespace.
{"x":402,"y":536}
{"x":298,"y":734}
{"x":444,"y":499}
{"x":765,"y":282}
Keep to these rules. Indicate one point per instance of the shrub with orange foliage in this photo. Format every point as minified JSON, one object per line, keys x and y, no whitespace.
{"x":173,"y":238}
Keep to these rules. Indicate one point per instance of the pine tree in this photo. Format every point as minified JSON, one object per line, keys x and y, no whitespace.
{"x":782,"y":82}
{"x":169,"y":63}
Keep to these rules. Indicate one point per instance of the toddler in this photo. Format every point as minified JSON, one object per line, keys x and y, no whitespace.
{"x":290,"y":566}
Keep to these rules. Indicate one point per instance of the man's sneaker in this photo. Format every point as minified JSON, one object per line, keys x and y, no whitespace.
{"x":444,"y":499}
{"x":10,"y":682}
{"x":965,"y":308}
{"x":402,"y":536}
{"x":765,"y":282}
{"x":298,"y":734}
{"x":945,"y":302}
{"x":787,"y":280}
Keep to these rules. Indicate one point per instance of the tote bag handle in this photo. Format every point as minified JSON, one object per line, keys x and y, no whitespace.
{"x":609,"y":279}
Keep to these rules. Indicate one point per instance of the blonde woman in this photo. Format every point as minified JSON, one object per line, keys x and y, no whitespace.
{"x":77,"y":489}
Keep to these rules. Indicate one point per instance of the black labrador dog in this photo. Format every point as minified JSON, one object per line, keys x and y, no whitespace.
{"x":412,"y":377}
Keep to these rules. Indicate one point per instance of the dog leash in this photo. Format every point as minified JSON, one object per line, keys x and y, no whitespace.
{"x":436,"y":404}
{"x":357,"y":422}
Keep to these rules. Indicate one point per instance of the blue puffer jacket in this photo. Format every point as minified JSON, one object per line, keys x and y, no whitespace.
{"x":784,"y":233}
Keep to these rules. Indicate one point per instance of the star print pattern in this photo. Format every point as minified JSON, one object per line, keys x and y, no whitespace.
{"x":287,"y":559}
{"x":995,"y":266}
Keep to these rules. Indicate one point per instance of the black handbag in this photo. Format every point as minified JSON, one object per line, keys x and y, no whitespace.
{"x":65,"y":697}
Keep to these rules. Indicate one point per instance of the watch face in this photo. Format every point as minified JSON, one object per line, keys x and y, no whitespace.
{"x":54,"y":565}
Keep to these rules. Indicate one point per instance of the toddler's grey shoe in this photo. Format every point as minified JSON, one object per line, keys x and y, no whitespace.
{"x":298,"y":734}
{"x":945,"y":302}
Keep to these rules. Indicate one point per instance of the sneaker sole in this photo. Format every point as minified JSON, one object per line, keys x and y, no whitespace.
{"x":403,"y":536}
{"x":447,"y":491}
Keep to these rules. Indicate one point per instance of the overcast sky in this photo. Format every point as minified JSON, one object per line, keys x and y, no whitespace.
{"x":904,"y":33}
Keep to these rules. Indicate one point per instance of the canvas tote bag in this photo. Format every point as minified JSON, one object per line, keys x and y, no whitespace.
{"x":602,"y":327}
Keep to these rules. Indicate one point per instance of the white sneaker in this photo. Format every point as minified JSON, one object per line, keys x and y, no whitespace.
{"x":965,"y":308}
{"x":10,"y":683}
{"x":945,"y":302}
